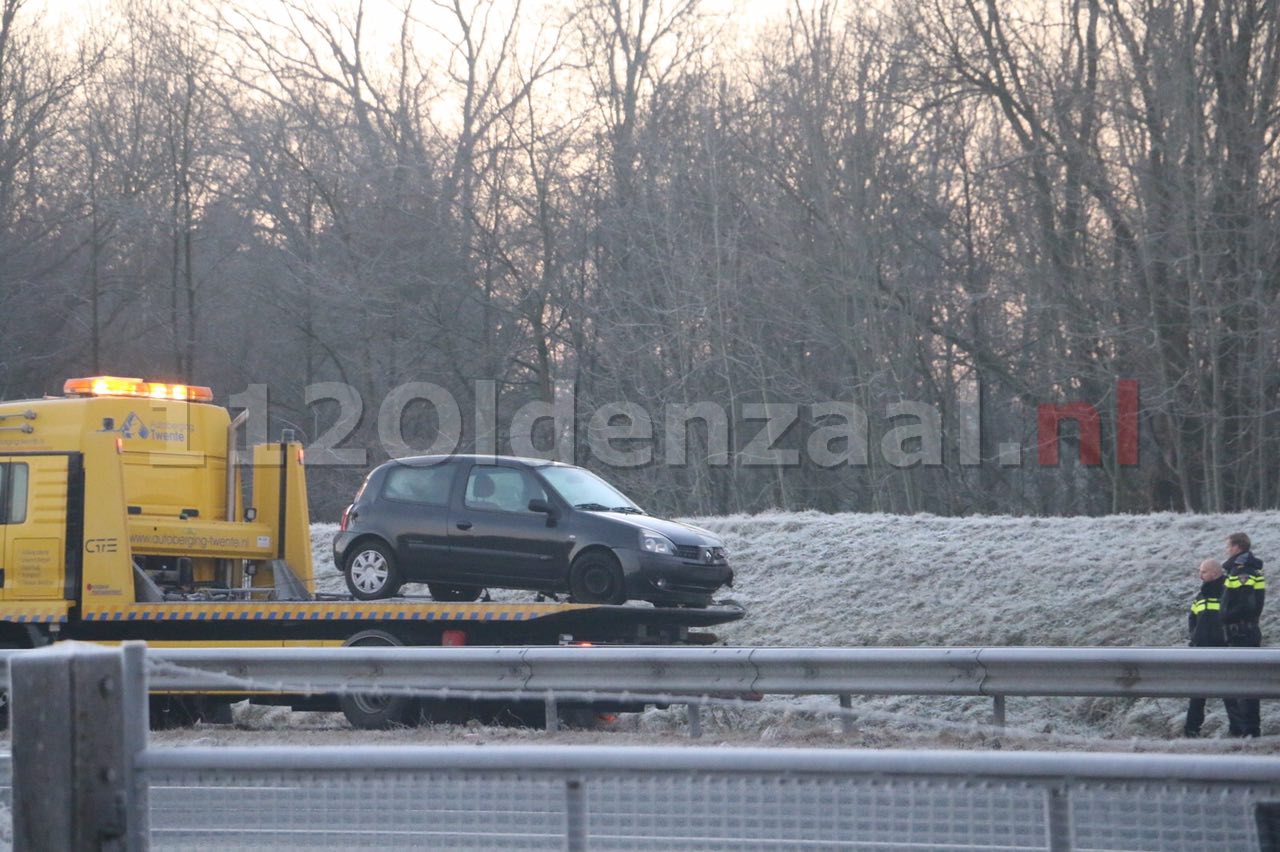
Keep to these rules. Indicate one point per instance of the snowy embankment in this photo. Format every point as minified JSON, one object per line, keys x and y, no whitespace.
{"x":855,"y":580}
{"x":811,"y":579}
{"x":844,"y":580}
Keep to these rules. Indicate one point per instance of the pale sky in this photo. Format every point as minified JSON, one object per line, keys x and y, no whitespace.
{"x":737,"y":22}
{"x":746,"y":14}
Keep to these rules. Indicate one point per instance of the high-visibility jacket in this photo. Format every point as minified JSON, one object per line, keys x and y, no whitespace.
{"x":1204,"y":622}
{"x":1243,"y":596}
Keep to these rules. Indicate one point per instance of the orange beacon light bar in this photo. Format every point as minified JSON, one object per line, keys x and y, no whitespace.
{"x":118,"y":386}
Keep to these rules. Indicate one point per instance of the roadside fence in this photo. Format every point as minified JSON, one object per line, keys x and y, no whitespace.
{"x":85,"y":775}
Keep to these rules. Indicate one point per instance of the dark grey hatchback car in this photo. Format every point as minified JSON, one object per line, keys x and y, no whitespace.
{"x":462,"y":524}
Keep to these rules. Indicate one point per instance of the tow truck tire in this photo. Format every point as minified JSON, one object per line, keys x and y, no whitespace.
{"x":169,"y":712}
{"x":596,"y":578}
{"x":464,"y":594}
{"x":371,"y":572}
{"x":371,"y":711}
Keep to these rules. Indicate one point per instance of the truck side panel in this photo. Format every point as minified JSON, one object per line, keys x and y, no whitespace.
{"x":280,"y":497}
{"x":107,"y":560}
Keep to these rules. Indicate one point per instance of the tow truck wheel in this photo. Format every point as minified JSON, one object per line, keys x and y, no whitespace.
{"x":372,"y":711}
{"x":465,"y":594}
{"x":168,"y":712}
{"x":596,"y":577}
{"x":371,"y":571}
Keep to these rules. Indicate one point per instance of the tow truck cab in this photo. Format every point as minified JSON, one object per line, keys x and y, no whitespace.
{"x":121,"y":490}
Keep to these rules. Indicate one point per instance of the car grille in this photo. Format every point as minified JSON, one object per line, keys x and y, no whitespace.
{"x":694,"y":553}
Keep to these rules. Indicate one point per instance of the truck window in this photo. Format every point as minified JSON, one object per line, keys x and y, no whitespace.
{"x":428,"y":485}
{"x":13,"y":485}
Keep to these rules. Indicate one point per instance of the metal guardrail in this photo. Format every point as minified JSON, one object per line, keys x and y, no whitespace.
{"x":82,"y":786}
{"x":1026,"y":765}
{"x":1137,"y":672}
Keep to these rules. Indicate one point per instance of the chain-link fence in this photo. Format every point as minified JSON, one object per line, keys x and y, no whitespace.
{"x":659,"y":799}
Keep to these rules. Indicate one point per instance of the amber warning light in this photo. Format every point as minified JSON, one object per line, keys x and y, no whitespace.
{"x":117,"y":386}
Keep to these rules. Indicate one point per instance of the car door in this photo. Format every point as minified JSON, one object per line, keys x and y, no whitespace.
{"x":413,"y":506}
{"x":494,"y":538}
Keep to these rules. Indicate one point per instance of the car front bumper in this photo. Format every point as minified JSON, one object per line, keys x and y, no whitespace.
{"x":663,"y":579}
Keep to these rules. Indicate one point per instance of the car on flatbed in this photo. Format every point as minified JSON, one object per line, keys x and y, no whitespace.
{"x":465,"y":523}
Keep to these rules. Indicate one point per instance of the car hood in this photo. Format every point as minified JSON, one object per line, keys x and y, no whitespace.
{"x":678,"y":533}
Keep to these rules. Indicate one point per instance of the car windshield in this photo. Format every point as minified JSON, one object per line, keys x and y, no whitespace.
{"x":584,"y":490}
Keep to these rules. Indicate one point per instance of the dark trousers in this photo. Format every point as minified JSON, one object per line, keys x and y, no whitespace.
{"x":1195,"y":716}
{"x":1244,"y":715}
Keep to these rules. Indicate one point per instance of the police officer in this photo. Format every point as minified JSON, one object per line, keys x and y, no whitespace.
{"x":1244,"y":592}
{"x":1204,"y":623}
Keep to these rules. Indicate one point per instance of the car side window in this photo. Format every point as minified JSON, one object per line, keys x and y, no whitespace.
{"x":501,"y":489}
{"x":427,"y":485}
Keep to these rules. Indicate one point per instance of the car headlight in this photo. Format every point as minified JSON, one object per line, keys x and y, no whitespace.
{"x":656,"y":543}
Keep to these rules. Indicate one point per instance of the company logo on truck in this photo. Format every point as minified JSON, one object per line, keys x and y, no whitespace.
{"x":134,"y":426}
{"x":100,"y":545}
{"x":131,"y":426}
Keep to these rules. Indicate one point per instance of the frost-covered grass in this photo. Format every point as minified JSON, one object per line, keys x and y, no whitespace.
{"x":844,"y":580}
{"x":813,"y":579}
{"x":858,"y":579}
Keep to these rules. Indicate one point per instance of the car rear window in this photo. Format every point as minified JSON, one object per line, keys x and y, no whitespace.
{"x":428,"y":485}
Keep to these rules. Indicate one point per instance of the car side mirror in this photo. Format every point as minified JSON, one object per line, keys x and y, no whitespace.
{"x":537,"y":504}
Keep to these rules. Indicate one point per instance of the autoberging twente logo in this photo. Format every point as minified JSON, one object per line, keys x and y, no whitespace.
{"x":131,"y":427}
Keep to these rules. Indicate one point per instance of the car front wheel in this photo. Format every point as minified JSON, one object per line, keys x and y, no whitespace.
{"x":464,"y":594}
{"x":371,"y":572}
{"x":597,"y":578}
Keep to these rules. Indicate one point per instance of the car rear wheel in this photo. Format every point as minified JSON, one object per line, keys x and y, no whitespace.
{"x":371,"y":710}
{"x":371,"y":571}
{"x":453,"y":593}
{"x":597,"y":578}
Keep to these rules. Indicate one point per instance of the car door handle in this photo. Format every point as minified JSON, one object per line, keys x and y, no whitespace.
{"x":464,"y":525}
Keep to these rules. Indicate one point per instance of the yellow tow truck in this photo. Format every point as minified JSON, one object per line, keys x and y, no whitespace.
{"x":126,"y":512}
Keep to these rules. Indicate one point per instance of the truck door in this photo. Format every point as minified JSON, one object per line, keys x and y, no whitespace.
{"x":36,"y":496}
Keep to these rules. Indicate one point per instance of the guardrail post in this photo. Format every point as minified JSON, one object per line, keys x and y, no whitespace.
{"x":1058,"y":818}
{"x":695,"y":720}
{"x":575,"y":815}
{"x":137,"y":732}
{"x":553,"y":714}
{"x":73,"y":771}
{"x":997,"y":711}
{"x":846,"y":713}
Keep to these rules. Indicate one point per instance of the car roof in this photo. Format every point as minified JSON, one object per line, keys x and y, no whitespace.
{"x":428,"y":461}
